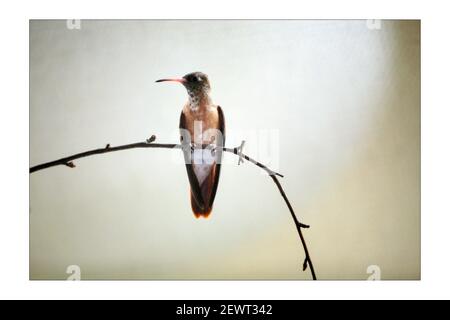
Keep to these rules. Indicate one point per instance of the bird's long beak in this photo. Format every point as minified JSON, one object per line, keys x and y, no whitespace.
{"x":180,"y":80}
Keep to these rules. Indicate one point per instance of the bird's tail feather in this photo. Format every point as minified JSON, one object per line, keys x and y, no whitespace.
{"x":200,"y":210}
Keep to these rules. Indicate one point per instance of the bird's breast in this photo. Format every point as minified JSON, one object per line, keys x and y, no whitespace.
{"x":202,"y":124}
{"x":203,"y":127}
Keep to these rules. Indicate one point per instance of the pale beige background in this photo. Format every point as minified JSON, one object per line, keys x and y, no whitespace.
{"x":344,"y":99}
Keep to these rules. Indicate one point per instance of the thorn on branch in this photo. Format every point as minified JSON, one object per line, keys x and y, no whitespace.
{"x":151,"y":139}
{"x":70,"y":164}
{"x":305,"y":264}
{"x":301,"y":225}
{"x":107,"y":146}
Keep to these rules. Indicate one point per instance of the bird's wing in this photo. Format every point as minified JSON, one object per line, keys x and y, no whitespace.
{"x":186,"y":147}
{"x":219,"y":151}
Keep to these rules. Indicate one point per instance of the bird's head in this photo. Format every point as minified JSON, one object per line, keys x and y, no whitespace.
{"x":196,"y":83}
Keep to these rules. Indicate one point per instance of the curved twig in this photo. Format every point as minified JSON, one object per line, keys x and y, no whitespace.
{"x":68,"y":161}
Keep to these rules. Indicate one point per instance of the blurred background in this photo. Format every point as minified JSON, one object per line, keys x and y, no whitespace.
{"x":332,"y":105}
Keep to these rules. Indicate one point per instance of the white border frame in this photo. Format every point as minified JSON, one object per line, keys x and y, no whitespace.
{"x":435,"y":106}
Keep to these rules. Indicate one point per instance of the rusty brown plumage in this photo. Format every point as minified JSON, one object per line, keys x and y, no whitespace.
{"x":202,"y":129}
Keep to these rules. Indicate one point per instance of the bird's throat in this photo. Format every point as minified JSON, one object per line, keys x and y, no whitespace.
{"x":199,"y":101}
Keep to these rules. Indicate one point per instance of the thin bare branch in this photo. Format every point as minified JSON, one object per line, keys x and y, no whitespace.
{"x":68,"y":161}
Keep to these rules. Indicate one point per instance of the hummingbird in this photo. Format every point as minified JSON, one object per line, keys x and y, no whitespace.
{"x":202,"y":136}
